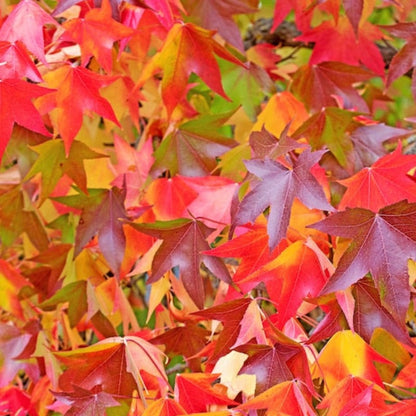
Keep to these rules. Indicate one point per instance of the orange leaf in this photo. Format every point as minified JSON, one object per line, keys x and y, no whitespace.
{"x":187,"y":49}
{"x":96,"y":33}
{"x":282,"y":399}
{"x":347,"y":354}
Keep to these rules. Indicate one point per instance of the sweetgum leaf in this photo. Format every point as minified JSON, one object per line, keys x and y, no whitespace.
{"x":53,"y":163}
{"x":25,"y":23}
{"x":114,"y":363}
{"x":277,"y":189}
{"x":95,"y":33}
{"x":384,"y":183}
{"x":85,"y":402}
{"x":381,"y":244}
{"x":17,"y":107}
{"x":16,"y":62}
{"x":102,"y":211}
{"x":187,"y":49}
{"x":193,"y":148}
{"x":323,"y":84}
{"x":77,"y":92}
{"x":184,"y":242}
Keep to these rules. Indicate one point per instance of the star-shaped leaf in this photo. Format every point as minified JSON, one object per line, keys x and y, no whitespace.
{"x":187,"y":49}
{"x":86,"y":402}
{"x":52,"y":163}
{"x":335,"y":40}
{"x":96,"y":33}
{"x":78,"y":91}
{"x":102,"y":212}
{"x":184,"y":241}
{"x":384,"y":183}
{"x":193,"y":148}
{"x":381,"y":244}
{"x":16,"y":62}
{"x":25,"y":23}
{"x":324,"y":84}
{"x":277,"y":189}
{"x":16,"y":105}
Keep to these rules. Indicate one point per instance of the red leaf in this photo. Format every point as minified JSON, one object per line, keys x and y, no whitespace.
{"x":336,"y":41}
{"x":384,"y":183}
{"x":17,"y":107}
{"x":25,"y":23}
{"x":16,"y":62}
{"x":327,"y":83}
{"x":195,"y":392}
{"x":382,"y":244}
{"x":78,"y":91}
{"x":95,"y":33}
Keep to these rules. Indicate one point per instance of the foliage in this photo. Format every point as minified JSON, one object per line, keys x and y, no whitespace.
{"x":208,"y":207}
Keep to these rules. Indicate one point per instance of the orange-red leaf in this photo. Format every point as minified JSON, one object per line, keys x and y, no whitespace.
{"x":187,"y":49}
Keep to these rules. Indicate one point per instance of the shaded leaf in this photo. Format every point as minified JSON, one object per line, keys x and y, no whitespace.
{"x":278,"y":188}
{"x":184,"y":241}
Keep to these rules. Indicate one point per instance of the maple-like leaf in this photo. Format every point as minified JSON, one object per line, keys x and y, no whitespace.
{"x":218,"y":15}
{"x":336,"y":41}
{"x":95,"y":33}
{"x":195,"y":392}
{"x":164,"y":407}
{"x":328,"y":83}
{"x":185,"y":340}
{"x":264,"y":144}
{"x":230,"y":314}
{"x":283,"y":361}
{"x":296,"y":273}
{"x":52,"y":163}
{"x":25,"y":23}
{"x":77,"y":92}
{"x":184,"y":242}
{"x":187,"y":49}
{"x":102,"y":212}
{"x":16,"y":102}
{"x":286,"y":398}
{"x":252,"y":248}
{"x":384,"y":183}
{"x":114,"y":363}
{"x":277,"y":189}
{"x":86,"y":402}
{"x":16,"y":62}
{"x":192,"y":149}
{"x":352,"y":389}
{"x":74,"y":290}
{"x":347,"y":354}
{"x":382,"y":244}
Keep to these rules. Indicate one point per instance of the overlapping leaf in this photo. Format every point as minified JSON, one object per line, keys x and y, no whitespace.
{"x":277,"y":189}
